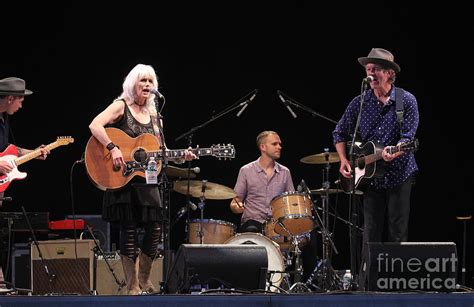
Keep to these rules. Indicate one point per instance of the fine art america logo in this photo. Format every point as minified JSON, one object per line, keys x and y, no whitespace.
{"x":414,"y":273}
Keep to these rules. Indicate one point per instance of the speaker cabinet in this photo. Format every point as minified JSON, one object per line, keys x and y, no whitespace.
{"x":409,"y":266}
{"x":106,"y":284}
{"x":21,"y":266}
{"x":100,"y":229}
{"x":214,"y":266}
{"x":69,"y":263}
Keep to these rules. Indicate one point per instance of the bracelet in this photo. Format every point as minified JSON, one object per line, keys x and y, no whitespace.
{"x":110,"y":146}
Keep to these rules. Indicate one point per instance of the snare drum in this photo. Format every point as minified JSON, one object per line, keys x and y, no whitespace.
{"x":276,"y":262}
{"x":292,"y":213}
{"x":213,"y":231}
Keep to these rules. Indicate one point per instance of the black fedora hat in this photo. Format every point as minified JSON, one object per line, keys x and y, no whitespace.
{"x":380,"y":56}
{"x":13,"y":86}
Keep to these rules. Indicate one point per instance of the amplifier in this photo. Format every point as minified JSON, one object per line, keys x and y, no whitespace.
{"x":67,"y":267}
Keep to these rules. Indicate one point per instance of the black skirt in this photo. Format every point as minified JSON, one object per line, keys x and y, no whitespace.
{"x":136,"y":202}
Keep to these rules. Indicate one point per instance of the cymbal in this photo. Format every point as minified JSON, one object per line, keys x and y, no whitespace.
{"x":322,"y":158}
{"x":174,"y":171}
{"x":331,"y":191}
{"x":211,"y":190}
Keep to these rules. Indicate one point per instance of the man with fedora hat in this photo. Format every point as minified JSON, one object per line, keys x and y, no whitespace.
{"x":388,"y":116}
{"x":12,"y":93}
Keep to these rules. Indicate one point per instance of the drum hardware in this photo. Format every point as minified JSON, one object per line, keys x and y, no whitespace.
{"x":201,"y":204}
{"x":324,"y":267}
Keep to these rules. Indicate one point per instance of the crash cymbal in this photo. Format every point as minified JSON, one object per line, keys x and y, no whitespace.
{"x":211,"y":190}
{"x":177,"y":172}
{"x":331,"y":191}
{"x":321,"y":158}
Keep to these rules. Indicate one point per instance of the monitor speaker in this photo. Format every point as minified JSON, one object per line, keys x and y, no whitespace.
{"x":66,"y":268}
{"x":409,"y":266}
{"x":217,"y":266}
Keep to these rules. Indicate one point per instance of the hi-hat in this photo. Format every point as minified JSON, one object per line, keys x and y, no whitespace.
{"x":331,"y":191}
{"x":325,"y":157}
{"x":177,"y":172}
{"x":211,"y":190}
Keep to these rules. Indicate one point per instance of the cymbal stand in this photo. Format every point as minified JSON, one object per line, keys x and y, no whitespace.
{"x":201,"y":205}
{"x":327,"y":239}
{"x":324,"y":264}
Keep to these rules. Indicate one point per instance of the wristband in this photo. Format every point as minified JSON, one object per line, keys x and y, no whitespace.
{"x":111,"y":146}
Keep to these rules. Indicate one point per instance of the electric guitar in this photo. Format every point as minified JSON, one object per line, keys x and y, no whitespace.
{"x":366,"y":162}
{"x":10,"y":154}
{"x":136,"y":151}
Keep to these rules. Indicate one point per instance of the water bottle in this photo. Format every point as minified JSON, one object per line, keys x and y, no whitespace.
{"x":151,"y":172}
{"x":347,"y":280}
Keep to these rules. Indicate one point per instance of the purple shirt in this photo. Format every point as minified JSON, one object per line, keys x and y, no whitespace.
{"x":257,"y":190}
{"x":379,"y":124}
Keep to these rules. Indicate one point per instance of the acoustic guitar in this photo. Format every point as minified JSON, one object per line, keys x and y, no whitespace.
{"x":136,"y":151}
{"x":366,"y":163}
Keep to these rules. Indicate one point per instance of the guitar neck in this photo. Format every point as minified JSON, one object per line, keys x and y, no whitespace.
{"x":35,"y":153}
{"x":378,"y":155}
{"x":179,"y":153}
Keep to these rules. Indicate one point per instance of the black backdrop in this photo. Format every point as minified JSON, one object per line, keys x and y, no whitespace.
{"x":74,"y":57}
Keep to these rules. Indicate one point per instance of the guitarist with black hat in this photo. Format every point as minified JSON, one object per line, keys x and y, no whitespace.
{"x":388,"y":122}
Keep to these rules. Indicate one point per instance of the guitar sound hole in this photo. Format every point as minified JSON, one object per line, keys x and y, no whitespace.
{"x":140,"y":156}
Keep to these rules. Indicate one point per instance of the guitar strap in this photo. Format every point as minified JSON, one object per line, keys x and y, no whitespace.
{"x":399,"y":106}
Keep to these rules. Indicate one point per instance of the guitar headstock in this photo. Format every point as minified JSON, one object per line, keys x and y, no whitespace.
{"x":226,"y":151}
{"x":64,"y":140}
{"x":410,"y":146}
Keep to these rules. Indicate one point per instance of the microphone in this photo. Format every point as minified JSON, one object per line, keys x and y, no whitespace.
{"x":286,"y":104}
{"x":369,"y":79}
{"x":193,"y":206}
{"x":246,"y":103}
{"x":195,"y":170}
{"x":184,"y":209}
{"x":157,"y":93}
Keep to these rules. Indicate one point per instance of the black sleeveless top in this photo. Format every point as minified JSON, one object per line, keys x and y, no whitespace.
{"x":136,"y":201}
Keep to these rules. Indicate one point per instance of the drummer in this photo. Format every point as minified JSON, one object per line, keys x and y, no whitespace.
{"x":259,"y":182}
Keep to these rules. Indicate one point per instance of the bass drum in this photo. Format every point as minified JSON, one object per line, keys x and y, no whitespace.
{"x":275,"y":258}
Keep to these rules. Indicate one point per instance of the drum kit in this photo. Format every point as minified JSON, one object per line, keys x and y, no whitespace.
{"x":294,"y":216}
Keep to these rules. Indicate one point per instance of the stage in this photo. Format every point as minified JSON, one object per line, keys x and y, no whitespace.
{"x":335,"y":298}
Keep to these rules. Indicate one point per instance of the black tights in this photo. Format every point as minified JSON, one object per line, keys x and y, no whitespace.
{"x":129,"y":245}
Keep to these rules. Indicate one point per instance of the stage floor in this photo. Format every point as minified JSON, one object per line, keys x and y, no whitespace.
{"x":336,"y":298}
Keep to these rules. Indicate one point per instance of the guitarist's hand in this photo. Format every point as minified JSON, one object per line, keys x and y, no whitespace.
{"x":387,"y":156}
{"x":117,"y":158}
{"x":44,"y":152}
{"x":189,"y":155}
{"x":345,"y":168}
{"x":5,"y":167}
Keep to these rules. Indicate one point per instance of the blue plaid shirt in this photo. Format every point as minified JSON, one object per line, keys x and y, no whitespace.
{"x":379,"y":124}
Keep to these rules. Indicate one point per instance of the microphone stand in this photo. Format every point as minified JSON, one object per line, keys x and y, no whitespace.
{"x":354,"y":246}
{"x":51,"y":276}
{"x":164,"y":187}
{"x":240,"y":103}
{"x":299,"y":105}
